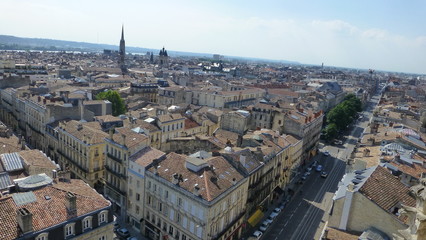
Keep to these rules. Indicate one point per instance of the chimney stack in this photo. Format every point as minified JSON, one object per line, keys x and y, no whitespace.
{"x":196,"y":190}
{"x":71,"y":202}
{"x":111,"y":133}
{"x":25,"y":220}
{"x":123,"y":139}
{"x":175,"y":178}
{"x":79,"y":126}
{"x":234,"y":181}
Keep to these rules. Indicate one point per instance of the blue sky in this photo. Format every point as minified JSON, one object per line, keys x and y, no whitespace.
{"x":383,"y":35}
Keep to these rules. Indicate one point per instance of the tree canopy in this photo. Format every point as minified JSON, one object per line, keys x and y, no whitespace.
{"x":117,"y":102}
{"x":342,"y":115}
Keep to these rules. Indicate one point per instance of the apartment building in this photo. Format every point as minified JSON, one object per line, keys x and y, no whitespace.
{"x":194,"y":198}
{"x":121,"y":144}
{"x":78,"y":147}
{"x":138,"y":163}
{"x":62,"y":210}
{"x":228,"y":99}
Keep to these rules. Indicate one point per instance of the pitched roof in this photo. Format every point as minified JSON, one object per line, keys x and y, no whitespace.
{"x":145,"y":156}
{"x":48,"y":213}
{"x":386,"y":190}
{"x":84,"y":131}
{"x":212,"y":182}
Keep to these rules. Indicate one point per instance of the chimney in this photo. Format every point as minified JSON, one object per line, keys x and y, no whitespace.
{"x":175,"y":178}
{"x":39,"y":98}
{"x":111,"y":133}
{"x":123,"y":139}
{"x":71,"y":202}
{"x":81,"y":108}
{"x":239,"y":140}
{"x":25,"y":220}
{"x":243,"y":160}
{"x":79,"y":126}
{"x":155,"y":169}
{"x":196,"y":190}
{"x":23,"y":143}
{"x":234,"y":181}
{"x":44,"y":100}
{"x":351,"y":187}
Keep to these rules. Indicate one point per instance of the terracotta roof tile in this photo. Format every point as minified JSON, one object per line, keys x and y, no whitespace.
{"x":386,"y":190}
{"x":212,"y":183}
{"x":48,"y":213}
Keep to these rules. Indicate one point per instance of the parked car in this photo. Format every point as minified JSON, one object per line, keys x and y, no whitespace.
{"x":319,"y":168}
{"x":324,"y":174}
{"x":282,"y":206}
{"x":338,"y":142}
{"x":264,"y":226}
{"x":257,"y":234}
{"x":277,"y":210}
{"x":116,"y":226}
{"x":315,"y":163}
{"x":326,"y":153}
{"x":304,"y":176}
{"x":309,"y":169}
{"x":123,"y":232}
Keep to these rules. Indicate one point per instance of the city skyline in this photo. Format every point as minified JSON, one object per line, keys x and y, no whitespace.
{"x":379,"y":35}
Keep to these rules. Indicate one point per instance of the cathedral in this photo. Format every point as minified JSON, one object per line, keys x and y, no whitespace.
{"x":122,"y":53}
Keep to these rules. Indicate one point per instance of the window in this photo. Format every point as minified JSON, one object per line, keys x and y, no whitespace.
{"x":137,"y":209}
{"x":69,"y":230}
{"x":42,"y":236}
{"x":103,"y":216}
{"x":103,"y":238}
{"x":138,"y":196}
{"x":170,"y":229}
{"x":87,"y":223}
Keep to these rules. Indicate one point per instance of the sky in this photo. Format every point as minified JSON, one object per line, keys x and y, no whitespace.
{"x":385,"y":35}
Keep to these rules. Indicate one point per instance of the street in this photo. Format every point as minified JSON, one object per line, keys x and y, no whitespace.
{"x":306,"y":214}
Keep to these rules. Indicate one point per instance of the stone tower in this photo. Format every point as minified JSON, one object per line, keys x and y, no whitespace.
{"x":163,"y":57}
{"x":122,"y":52}
{"x":417,"y":219}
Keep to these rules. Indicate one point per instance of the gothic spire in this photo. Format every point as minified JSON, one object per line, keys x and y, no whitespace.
{"x":122,"y":32}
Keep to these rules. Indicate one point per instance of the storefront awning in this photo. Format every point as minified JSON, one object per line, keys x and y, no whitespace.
{"x":255,"y":218}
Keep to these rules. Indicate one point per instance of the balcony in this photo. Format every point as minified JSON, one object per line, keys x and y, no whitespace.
{"x":119,"y":175}
{"x":115,"y":189}
{"x":114,"y":158}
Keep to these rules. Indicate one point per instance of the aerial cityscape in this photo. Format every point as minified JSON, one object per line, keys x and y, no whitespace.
{"x":240,"y":128}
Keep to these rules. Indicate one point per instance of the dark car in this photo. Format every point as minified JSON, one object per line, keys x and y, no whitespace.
{"x":123,"y":232}
{"x":324,"y":174}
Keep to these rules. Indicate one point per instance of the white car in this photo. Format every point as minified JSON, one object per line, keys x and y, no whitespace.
{"x":326,"y":153}
{"x":257,"y":234}
{"x":277,"y":210}
{"x":264,"y":226}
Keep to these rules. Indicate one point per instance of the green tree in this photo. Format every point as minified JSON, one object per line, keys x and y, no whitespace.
{"x":330,"y":132}
{"x":117,"y":102}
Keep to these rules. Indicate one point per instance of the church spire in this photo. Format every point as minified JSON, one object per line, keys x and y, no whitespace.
{"x":122,"y":32}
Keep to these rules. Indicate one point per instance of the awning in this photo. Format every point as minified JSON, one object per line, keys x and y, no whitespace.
{"x":255,"y":218}
{"x":278,"y":190}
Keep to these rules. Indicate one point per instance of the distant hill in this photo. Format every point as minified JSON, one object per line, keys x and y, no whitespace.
{"x":17,"y":43}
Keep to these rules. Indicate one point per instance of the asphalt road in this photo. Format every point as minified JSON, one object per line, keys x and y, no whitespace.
{"x":305,"y":215}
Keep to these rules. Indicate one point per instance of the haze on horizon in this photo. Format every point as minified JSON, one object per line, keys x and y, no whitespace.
{"x":382,"y":35}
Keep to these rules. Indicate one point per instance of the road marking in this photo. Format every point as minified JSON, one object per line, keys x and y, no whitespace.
{"x":284,"y":226}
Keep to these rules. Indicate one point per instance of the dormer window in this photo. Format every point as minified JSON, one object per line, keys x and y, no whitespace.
{"x":87,"y":223}
{"x":103,"y":216}
{"x":43,"y":236}
{"x":69,"y":230}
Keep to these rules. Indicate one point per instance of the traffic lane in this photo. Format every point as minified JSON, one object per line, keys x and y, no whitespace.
{"x":291,"y":217}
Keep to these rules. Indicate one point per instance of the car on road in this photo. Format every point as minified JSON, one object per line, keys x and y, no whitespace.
{"x":264,"y":226}
{"x":116,"y":226}
{"x":304,"y":176}
{"x":123,"y":232}
{"x":257,"y":234}
{"x":324,"y":174}
{"x":326,"y":153}
{"x":277,"y":210}
{"x":319,"y":168}
{"x":309,"y":169}
{"x":282,"y":206}
{"x":315,"y":163}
